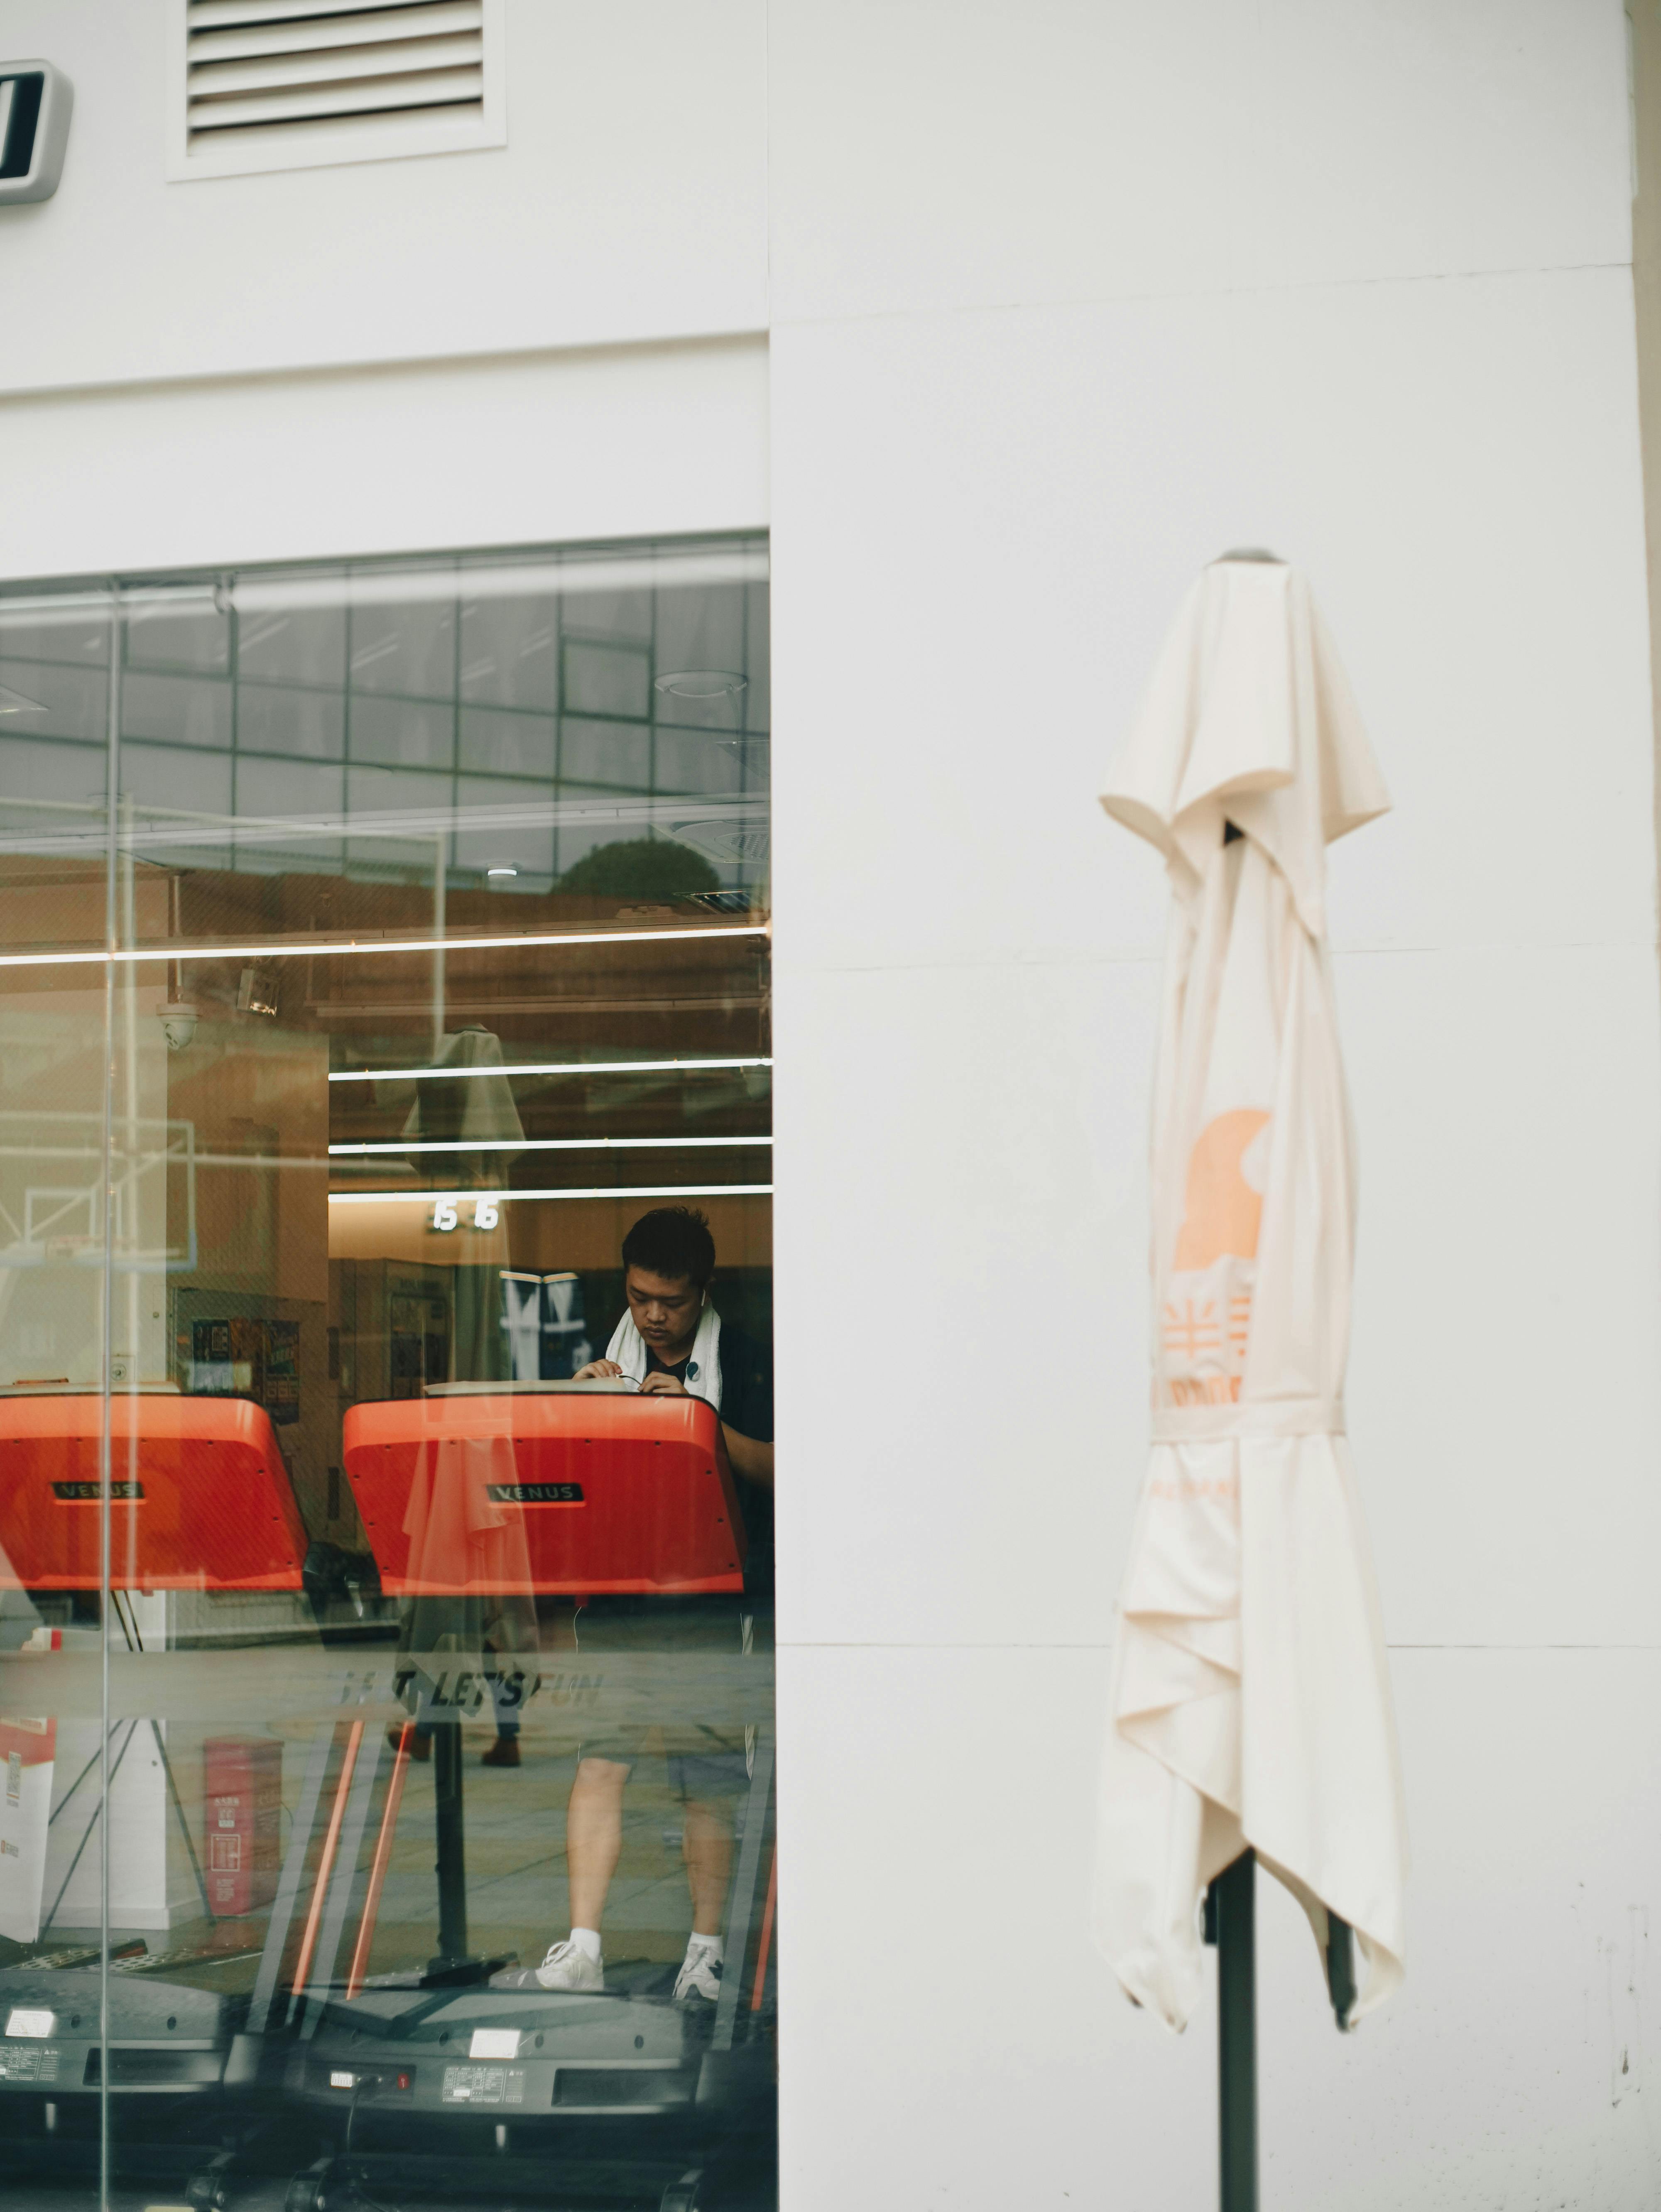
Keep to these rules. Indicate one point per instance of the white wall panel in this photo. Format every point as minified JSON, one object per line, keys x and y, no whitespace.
{"x":951,"y":153}
{"x":628,"y":202}
{"x":1067,"y":301}
{"x":965,"y":1146}
{"x":960,"y":1161}
{"x":949,"y":2036}
{"x":1505,"y":1394}
{"x":619,"y":443}
{"x":1514,"y":2067}
{"x":984,"y":525}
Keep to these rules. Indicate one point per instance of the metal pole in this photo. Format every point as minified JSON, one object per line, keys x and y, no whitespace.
{"x":1341,"y":1969}
{"x":452,"y":1853}
{"x":440,"y":884}
{"x":1234,"y":1896}
{"x":133,"y":1235}
{"x":107,"y":1330}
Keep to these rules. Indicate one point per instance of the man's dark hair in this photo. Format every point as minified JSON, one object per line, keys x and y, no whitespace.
{"x":673,"y":1241}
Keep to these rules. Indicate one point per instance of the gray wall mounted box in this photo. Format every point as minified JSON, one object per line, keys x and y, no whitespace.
{"x":35,"y":100}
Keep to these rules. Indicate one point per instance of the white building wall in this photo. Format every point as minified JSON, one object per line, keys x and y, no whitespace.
{"x":1063,"y":300}
{"x":629,"y":203}
{"x":525,"y":449}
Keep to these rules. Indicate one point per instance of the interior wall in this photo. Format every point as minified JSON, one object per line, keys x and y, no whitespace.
{"x":1110,"y":291}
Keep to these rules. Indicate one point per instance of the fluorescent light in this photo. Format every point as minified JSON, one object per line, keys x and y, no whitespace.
{"x":28,"y":611}
{"x":660,"y":572}
{"x":551,"y":1144}
{"x":258,"y":592}
{"x":501,"y":871}
{"x":501,"y":1197}
{"x":545,"y":1067}
{"x":304,"y":949}
{"x":172,"y":826}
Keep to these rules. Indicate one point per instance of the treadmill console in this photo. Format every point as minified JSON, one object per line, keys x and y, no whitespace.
{"x":199,"y":1495}
{"x":546,"y":1493}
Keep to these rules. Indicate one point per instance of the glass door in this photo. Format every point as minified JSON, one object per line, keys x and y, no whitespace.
{"x":385,"y":1505}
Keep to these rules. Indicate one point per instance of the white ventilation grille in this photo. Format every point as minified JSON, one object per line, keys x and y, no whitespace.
{"x":277,"y":84}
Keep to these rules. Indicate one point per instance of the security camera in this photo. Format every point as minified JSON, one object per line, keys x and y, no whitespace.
{"x":178,"y":1026}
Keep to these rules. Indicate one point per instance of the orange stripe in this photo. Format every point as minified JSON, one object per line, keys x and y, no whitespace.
{"x":383,"y":1852}
{"x":766,"y":1933}
{"x":331,"y":1841}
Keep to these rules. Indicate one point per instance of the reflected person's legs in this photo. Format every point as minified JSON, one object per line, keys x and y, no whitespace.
{"x":594,"y":1836}
{"x":709,"y":1781}
{"x":512,"y":1639}
{"x":706,"y":1848}
{"x":507,"y":1694}
{"x":593,"y":1844}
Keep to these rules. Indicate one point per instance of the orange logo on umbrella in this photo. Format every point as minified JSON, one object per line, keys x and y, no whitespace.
{"x":1221,"y":1211}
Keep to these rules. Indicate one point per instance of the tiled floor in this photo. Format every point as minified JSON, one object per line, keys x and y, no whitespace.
{"x":514,"y":1828}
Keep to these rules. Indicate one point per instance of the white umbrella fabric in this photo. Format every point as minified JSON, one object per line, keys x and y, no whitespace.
{"x":475,"y":1109}
{"x":1251,"y":1702}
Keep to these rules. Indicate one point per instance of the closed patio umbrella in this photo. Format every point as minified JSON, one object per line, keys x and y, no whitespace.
{"x":1250,"y":1703}
{"x":473,"y":1106}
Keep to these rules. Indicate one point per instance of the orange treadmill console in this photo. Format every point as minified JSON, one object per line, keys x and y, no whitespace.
{"x":199,"y":1495}
{"x":579,"y":1493}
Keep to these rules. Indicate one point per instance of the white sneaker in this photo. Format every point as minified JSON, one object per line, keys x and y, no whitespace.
{"x":566,"y":1967}
{"x":699,"y":1977}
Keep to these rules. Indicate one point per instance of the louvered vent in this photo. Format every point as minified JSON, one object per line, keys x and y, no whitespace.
{"x":275,"y":84}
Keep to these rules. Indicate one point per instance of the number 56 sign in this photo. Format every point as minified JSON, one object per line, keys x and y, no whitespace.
{"x":486,"y":1213}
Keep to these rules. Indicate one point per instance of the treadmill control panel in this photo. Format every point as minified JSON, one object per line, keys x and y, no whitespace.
{"x":545,"y":1493}
{"x":484,"y":2085}
{"x":29,"y":2062}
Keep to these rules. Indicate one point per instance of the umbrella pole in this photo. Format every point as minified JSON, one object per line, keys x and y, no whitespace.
{"x":1231,"y":1925}
{"x":1341,"y":1969}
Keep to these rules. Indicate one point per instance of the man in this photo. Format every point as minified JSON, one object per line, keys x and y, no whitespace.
{"x":672,"y":1340}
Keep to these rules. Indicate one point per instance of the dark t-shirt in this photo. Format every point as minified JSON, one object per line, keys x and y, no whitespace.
{"x":746,"y":1405}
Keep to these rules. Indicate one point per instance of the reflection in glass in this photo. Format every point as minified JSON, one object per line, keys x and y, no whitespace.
{"x":441,"y":960}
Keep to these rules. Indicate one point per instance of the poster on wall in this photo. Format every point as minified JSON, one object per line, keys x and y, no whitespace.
{"x":248,"y":1358}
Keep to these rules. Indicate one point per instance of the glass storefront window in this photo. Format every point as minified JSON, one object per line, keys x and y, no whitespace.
{"x":386,"y":1397}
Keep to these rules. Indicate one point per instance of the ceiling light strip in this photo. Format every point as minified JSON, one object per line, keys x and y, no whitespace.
{"x":263,"y":592}
{"x":658,"y":572}
{"x":549,"y":1145}
{"x":503,"y":1197}
{"x":328,"y":946}
{"x":544,"y":1067}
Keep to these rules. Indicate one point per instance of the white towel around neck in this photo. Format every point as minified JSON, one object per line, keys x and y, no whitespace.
{"x":629,"y":1348}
